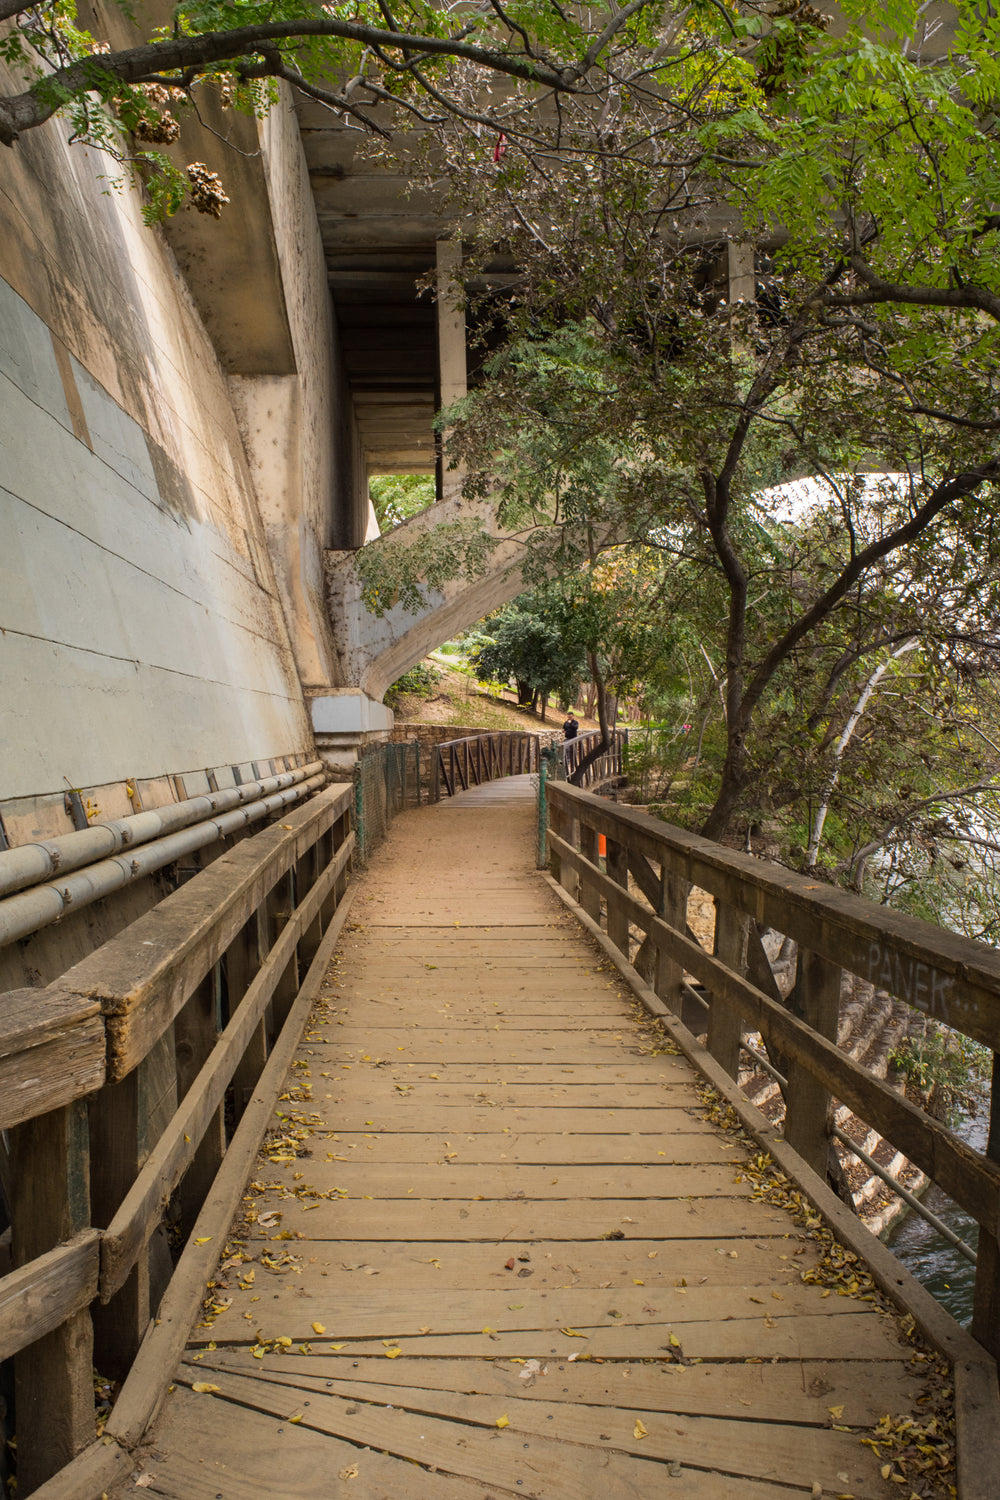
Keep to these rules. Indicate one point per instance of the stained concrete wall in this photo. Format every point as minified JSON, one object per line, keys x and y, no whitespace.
{"x":143,"y":626}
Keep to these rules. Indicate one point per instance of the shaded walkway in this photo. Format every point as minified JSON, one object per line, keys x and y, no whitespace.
{"x":495,"y":1247}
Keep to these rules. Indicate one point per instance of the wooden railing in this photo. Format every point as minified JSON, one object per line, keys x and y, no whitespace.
{"x":640,"y":893}
{"x":135,"y":1091}
{"x":585,"y":762}
{"x":457,"y":765}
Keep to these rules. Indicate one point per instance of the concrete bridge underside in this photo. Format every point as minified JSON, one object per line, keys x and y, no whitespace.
{"x":406,"y":355}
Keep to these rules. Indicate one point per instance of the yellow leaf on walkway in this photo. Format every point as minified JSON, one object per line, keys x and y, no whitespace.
{"x":639,"y":1431}
{"x":203,"y":1386}
{"x":503,"y":1421}
{"x":574,"y":1333}
{"x":318,"y":1328}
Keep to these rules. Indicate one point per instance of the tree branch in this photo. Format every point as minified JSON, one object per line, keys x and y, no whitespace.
{"x":37,"y":104}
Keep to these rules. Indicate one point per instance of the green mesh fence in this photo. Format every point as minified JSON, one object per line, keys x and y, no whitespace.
{"x":386,"y":779}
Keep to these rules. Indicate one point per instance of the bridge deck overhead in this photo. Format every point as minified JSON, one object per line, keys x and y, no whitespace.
{"x":497,"y":1246}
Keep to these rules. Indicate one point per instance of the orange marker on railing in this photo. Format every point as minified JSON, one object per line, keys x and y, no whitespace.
{"x":602,"y":845}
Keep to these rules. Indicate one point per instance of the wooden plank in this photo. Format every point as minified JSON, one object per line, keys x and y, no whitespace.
{"x":383,"y":1312}
{"x":550,"y":1149}
{"x":52,"y":1051}
{"x":544,"y":1465}
{"x":432,"y":1095}
{"x":348,"y":1078}
{"x":725,"y":1021}
{"x":145,"y":1386}
{"x":529,"y":1117}
{"x":774,"y":1262}
{"x":142,"y":1207}
{"x":801,"y":1393}
{"x":816,"y":999}
{"x":208,"y":1449}
{"x":732,"y":1218}
{"x":143,"y":977}
{"x":782,"y":1451}
{"x":89,"y":1476}
{"x":503,"y":1181}
{"x":53,"y":1375}
{"x":42,"y":1294}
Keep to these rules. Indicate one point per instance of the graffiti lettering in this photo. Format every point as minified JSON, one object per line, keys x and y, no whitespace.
{"x":911,"y":979}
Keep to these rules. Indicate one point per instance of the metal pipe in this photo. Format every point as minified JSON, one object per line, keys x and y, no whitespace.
{"x":910,"y":1198}
{"x":28,"y":911}
{"x":30,"y":864}
{"x":873,"y":1166}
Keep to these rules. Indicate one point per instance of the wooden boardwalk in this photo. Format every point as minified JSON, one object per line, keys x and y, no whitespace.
{"x":495,"y":1247}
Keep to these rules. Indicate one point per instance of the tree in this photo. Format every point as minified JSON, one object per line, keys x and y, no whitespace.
{"x":396,"y":497}
{"x":634,"y":402}
{"x":530,"y":648}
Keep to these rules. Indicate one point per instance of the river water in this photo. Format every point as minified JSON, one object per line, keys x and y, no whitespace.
{"x":927,"y":1255}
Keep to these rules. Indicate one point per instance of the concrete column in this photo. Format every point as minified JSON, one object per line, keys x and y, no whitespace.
{"x":452,"y":369}
{"x":742,"y":281}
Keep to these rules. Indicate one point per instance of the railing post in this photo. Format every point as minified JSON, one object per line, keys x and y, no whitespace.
{"x":243,"y":961}
{"x":986,"y":1297}
{"x":616,"y":866}
{"x":541,"y":857}
{"x":590,"y":896}
{"x":196,"y":1031}
{"x":668,"y":973}
{"x":815,"y":1000}
{"x":54,"y":1376}
{"x":725,"y":1024}
{"x":125,"y":1121}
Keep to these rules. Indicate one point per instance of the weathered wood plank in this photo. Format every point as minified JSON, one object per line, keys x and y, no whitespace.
{"x":543,"y":1465}
{"x":780,"y":1451}
{"x":773,"y":1262}
{"x":228,"y":1450}
{"x":800,"y":1393}
{"x":730,"y":1218}
{"x":143,"y":977}
{"x":142,"y":1207}
{"x":52,"y":1051}
{"x":531,"y":1118}
{"x":705,"y":1145}
{"x":144,"y":1388}
{"x":39,"y":1296}
{"x":504,"y":1181}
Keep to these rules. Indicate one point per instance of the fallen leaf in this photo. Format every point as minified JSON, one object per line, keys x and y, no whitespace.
{"x":503,"y":1421}
{"x":297,"y":1417}
{"x":392,"y":1353}
{"x":351,"y":1472}
{"x":318,"y":1328}
{"x":203,"y":1386}
{"x":574,"y":1333}
{"x":204,"y":1241}
{"x":639,"y":1430}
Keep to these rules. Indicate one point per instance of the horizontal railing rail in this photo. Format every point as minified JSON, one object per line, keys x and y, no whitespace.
{"x":589,"y":762}
{"x":639,"y":891}
{"x":457,"y":765}
{"x":125,"y":1086}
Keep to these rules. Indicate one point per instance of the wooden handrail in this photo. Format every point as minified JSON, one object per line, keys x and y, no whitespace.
{"x":457,"y":765}
{"x":607,"y":764}
{"x":184,"y":1006}
{"x":649,"y":869}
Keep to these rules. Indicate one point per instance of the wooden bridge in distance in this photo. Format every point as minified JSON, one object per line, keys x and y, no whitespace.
{"x":501,"y":1241}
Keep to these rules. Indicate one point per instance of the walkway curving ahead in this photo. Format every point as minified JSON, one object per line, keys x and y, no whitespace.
{"x":495,"y":1247}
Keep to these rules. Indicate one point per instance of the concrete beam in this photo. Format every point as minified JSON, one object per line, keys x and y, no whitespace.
{"x":374,"y":650}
